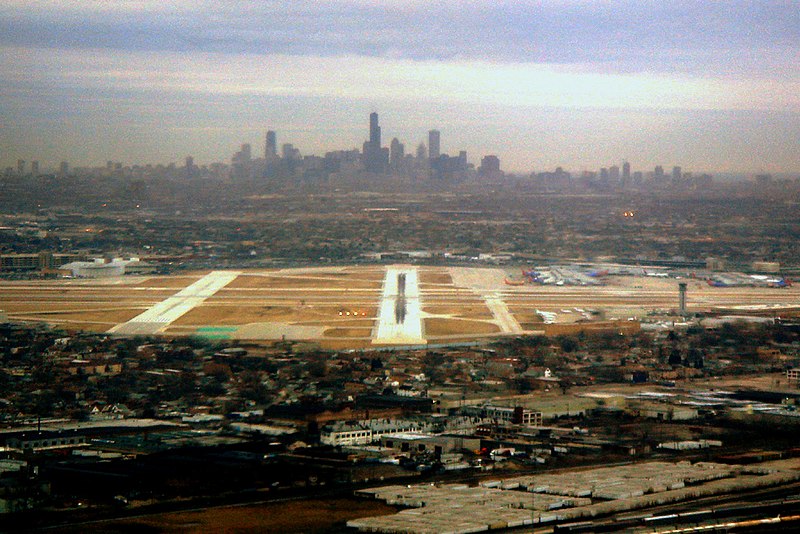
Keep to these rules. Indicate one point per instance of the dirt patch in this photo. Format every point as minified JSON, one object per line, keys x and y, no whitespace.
{"x":526,"y":316}
{"x":313,"y":516}
{"x":451,"y":300}
{"x":427,"y":277}
{"x":111,"y":317}
{"x":299,"y":294}
{"x":466,"y":312}
{"x":360,"y":323}
{"x":56,"y":293}
{"x":180,"y":330}
{"x":80,"y":326}
{"x":374,"y":276}
{"x":236,"y":314}
{"x":64,"y":307}
{"x":348,"y":332}
{"x":449,"y":327}
{"x":301,"y":282}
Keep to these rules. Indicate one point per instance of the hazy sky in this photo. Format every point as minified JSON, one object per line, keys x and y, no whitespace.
{"x":706,"y":85}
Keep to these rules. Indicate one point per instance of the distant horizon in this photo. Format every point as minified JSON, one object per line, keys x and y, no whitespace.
{"x":52,"y":168}
{"x":258,"y":148}
{"x":540,"y":84}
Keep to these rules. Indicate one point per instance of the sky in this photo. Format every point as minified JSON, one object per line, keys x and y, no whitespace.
{"x":710,"y":86}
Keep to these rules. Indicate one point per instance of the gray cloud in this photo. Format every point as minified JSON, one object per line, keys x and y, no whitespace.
{"x":626,"y":35}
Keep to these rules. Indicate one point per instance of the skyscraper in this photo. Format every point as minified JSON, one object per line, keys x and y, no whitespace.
{"x":190,"y":168}
{"x":271,"y":147}
{"x":374,"y":130}
{"x":396,"y":153}
{"x":613,"y":174}
{"x":490,"y":166}
{"x":434,"y":146}
{"x":375,"y":158}
{"x":626,"y":172}
{"x":676,"y":173}
{"x":35,"y":168}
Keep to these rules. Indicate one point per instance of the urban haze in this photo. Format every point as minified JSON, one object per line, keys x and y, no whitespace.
{"x":399,"y":267}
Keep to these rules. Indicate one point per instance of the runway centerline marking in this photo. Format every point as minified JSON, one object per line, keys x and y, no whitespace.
{"x":400,"y":311}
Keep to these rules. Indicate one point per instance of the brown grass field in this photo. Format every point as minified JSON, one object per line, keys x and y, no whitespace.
{"x":464,"y":312}
{"x":299,"y":293}
{"x":439,"y":300}
{"x":348,"y":332}
{"x":37,"y":308}
{"x":82,"y":294}
{"x":97,"y":328}
{"x":344,"y":323}
{"x":435,"y":277}
{"x":308,"y":516}
{"x":111,"y":317}
{"x":525,"y":316}
{"x":449,"y":327}
{"x":314,"y":296}
{"x":301,"y":282}
{"x":365,"y":274}
{"x":237,"y":314}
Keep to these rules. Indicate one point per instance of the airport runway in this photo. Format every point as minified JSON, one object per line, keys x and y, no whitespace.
{"x":507,"y":323}
{"x":431,"y":305}
{"x":160,"y":316}
{"x":400,"y":311}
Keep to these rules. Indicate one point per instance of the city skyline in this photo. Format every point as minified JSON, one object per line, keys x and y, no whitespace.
{"x":541,"y":84}
{"x":375,"y":157}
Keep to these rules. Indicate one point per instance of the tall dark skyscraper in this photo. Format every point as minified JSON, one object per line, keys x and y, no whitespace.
{"x":434,"y":144}
{"x":375,"y":158}
{"x":190,"y":168}
{"x":626,"y":172}
{"x":271,"y":148}
{"x":374,"y":130}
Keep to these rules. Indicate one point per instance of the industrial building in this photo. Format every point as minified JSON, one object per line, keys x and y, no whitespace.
{"x":502,"y":414}
{"x":37,"y":261}
{"x":99,"y":268}
{"x":548,"y":498}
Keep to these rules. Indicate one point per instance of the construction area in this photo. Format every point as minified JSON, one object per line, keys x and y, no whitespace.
{"x":562,"y":497}
{"x":364,"y":306}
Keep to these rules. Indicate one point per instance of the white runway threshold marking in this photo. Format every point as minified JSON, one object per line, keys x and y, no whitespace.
{"x":400,"y":313}
{"x":161,"y":315}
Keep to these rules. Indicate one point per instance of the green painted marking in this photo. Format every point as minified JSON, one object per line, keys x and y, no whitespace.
{"x":216,"y":332}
